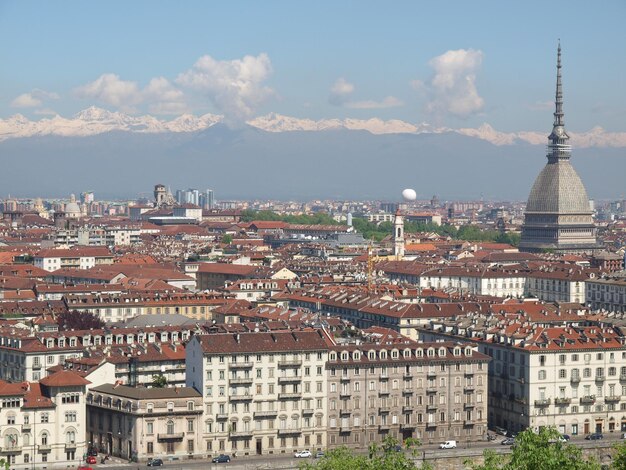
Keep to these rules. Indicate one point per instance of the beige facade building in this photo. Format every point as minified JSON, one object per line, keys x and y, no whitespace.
{"x":139,"y":423}
{"x":431,"y":391}
{"x":264,"y":393}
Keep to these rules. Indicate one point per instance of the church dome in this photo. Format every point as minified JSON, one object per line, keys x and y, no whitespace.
{"x":558,"y":189}
{"x":72,"y":209}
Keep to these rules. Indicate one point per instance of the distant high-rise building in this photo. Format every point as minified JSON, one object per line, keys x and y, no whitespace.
{"x":180,"y":196}
{"x":558,"y":213}
{"x":210,"y":201}
{"x":87,"y":197}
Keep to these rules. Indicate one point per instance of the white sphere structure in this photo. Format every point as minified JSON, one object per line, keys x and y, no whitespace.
{"x":409,"y":195}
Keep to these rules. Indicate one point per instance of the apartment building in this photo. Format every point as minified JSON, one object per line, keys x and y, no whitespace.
{"x":43,"y":423}
{"x":430,"y":391}
{"x":263,"y":392}
{"x":607,"y":294}
{"x":139,"y":423}
{"x":571,"y":376}
{"x":75,"y":258}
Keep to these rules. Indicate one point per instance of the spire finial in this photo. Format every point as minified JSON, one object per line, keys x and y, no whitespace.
{"x":558,"y":137}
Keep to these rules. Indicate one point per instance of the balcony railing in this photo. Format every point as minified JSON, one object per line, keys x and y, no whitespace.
{"x":345,"y":429}
{"x":344,"y":412}
{"x":542,"y":402}
{"x":287,"y":380}
{"x":307,"y":411}
{"x":562,"y":401}
{"x":240,"y":381}
{"x":11,"y":449}
{"x":407,"y":391}
{"x":383,"y":409}
{"x":612,"y":398}
{"x":407,"y":426}
{"x":70,"y":446}
{"x":588,"y":399}
{"x":265,"y":414}
{"x":290,"y":396}
{"x":575,"y":379}
{"x":468,"y":405}
{"x":407,"y":409}
{"x":240,"y":434}
{"x":468,"y":422}
{"x":240,"y":397}
{"x":172,"y":436}
{"x":468,"y":388}
{"x":241,"y":365}
{"x":600,"y":378}
{"x":44,"y":447}
{"x":290,"y":363}
{"x":622,"y":377}
{"x":221,"y":416}
{"x":289,"y":431}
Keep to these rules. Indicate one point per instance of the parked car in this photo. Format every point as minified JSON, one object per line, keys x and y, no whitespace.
{"x":448,"y":445}
{"x":93,"y":452}
{"x":155,"y":462}
{"x":303,"y":454}
{"x":509,"y":441}
{"x":91,"y":460}
{"x":222,"y":458}
{"x":596,"y":436}
{"x":499,"y":430}
{"x":319,"y":454}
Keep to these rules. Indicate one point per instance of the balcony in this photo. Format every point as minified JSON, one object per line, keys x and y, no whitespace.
{"x":408,"y":375}
{"x":468,"y":422}
{"x":468,"y":389}
{"x":520,"y":400}
{"x":240,"y":381}
{"x":468,"y":406}
{"x":384,"y":427}
{"x":240,"y":397}
{"x":622,"y":378}
{"x":562,"y":401}
{"x":69,"y":446}
{"x":307,"y":411}
{"x":221,"y":416}
{"x":468,"y":374}
{"x":588,"y":400}
{"x":431,"y":390}
{"x":383,"y":393}
{"x":344,"y":394}
{"x":345,"y":378}
{"x":383,"y":409}
{"x":173,"y":436}
{"x":612,"y":398}
{"x":240,"y":434}
{"x":26,"y":427}
{"x":290,"y":396}
{"x":431,"y":425}
{"x":345,"y":429}
{"x":431,"y":375}
{"x":407,"y":426}
{"x":344,"y":412}
{"x":266,"y":414}
{"x":407,"y":391}
{"x":431,"y":407}
{"x":383,"y":377}
{"x":289,"y":431}
{"x":44,"y":448}
{"x":240,"y":365}
{"x":289,"y":380}
{"x":290,"y":363}
{"x":407,"y":409}
{"x":10,"y":449}
{"x":36,"y":366}
{"x":575,"y":379}
{"x":600,"y":378}
{"x":542,"y":402}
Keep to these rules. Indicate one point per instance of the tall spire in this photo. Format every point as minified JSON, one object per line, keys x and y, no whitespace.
{"x":558,"y":148}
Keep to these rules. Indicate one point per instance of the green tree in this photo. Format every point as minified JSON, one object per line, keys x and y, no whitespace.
{"x":532,"y":451}
{"x":387,"y":456}
{"x":227,"y":239}
{"x":159,"y":381}
{"x":619,"y":456}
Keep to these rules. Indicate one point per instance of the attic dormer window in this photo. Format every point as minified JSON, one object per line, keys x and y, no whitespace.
{"x":468,"y":351}
{"x":344,"y":356}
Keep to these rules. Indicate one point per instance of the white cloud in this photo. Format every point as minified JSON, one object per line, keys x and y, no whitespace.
{"x":110,"y":89}
{"x":340,"y":92}
{"x":452,"y":89}
{"x":234,"y":86}
{"x":388,"y":102}
{"x":541,"y":105}
{"x":33,"y":99}
{"x":160,"y":95}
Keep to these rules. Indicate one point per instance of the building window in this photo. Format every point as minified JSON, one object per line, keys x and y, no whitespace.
{"x":150,"y":448}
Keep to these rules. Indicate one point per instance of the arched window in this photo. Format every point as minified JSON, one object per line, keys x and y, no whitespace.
{"x":170,"y":427}
{"x":44,"y":438}
{"x":11,"y":439}
{"x":70,"y":437}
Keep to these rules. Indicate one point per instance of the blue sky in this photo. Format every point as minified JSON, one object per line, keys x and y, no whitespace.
{"x":450,"y":63}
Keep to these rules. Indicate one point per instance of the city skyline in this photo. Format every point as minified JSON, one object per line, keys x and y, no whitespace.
{"x":413,"y":62}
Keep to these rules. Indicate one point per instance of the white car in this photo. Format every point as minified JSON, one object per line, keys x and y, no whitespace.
{"x":303,"y":454}
{"x":448,"y":445}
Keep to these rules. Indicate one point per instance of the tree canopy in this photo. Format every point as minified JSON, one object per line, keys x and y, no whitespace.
{"x":76,"y":320}
{"x":531,"y":451}
{"x":388,"y":456}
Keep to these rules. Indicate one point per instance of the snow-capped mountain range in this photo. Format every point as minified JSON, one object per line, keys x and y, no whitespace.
{"x":93,"y":120}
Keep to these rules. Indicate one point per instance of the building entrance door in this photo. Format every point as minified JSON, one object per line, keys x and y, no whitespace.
{"x":259,"y":446}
